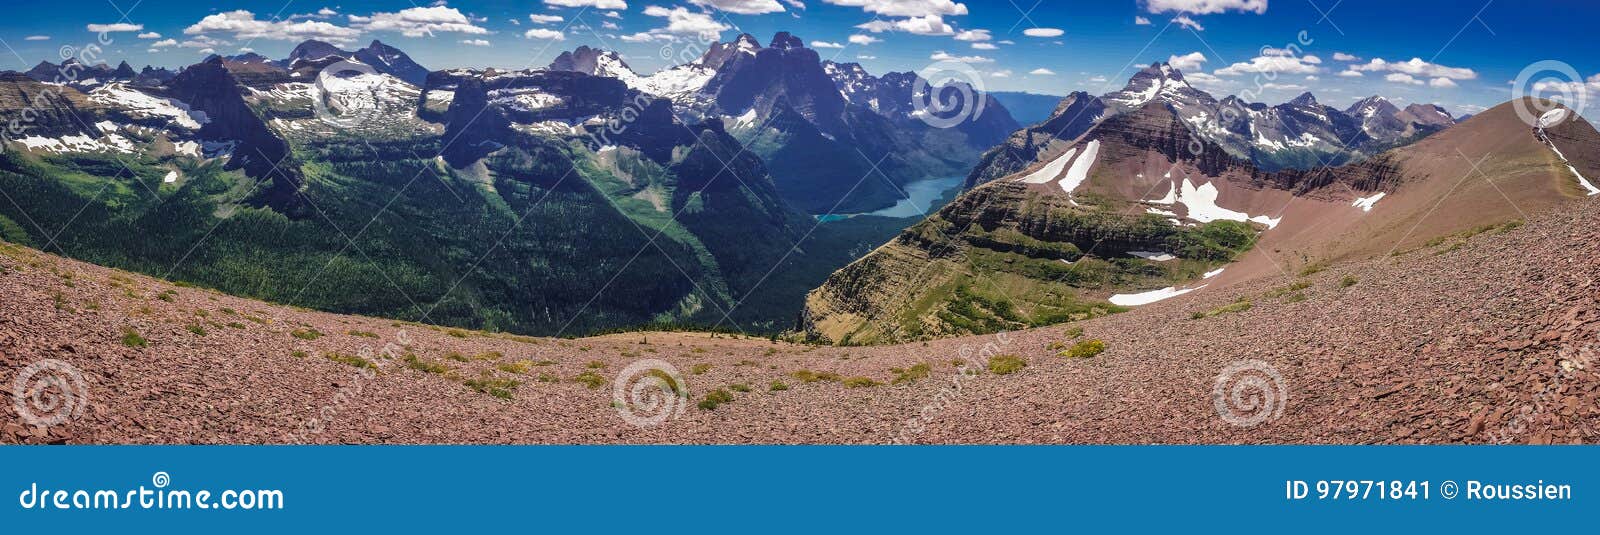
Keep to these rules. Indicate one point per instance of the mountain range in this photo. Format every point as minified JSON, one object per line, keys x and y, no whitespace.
{"x":585,"y":196}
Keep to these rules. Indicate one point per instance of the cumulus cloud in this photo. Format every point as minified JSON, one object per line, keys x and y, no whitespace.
{"x":1206,"y":7}
{"x":419,"y":21}
{"x":864,"y":56}
{"x":1187,"y":62}
{"x":164,"y":43}
{"x":1283,"y":87}
{"x":545,"y":34}
{"x":36,"y":38}
{"x":742,"y":7}
{"x":1442,"y":83}
{"x":242,"y":24}
{"x":1274,"y":64}
{"x":1204,"y":79}
{"x":1402,"y":78}
{"x":1417,"y":67}
{"x":927,"y":25}
{"x":825,"y":44}
{"x":1350,"y":74}
{"x":149,"y":35}
{"x":984,"y":46}
{"x":905,"y":8}
{"x":1043,"y":32}
{"x":118,"y":27}
{"x":1042,"y":72}
{"x":684,"y":22}
{"x":1341,"y":56}
{"x":973,"y":35}
{"x":597,"y":4}
{"x":1141,"y":21}
{"x":1000,"y":74}
{"x":861,"y":39}
{"x":1185,"y":21}
{"x":475,"y":42}
{"x":544,"y":19}
{"x":946,"y":56}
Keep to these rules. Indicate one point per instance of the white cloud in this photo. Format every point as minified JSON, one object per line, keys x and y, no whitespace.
{"x":905,"y":8}
{"x":419,"y":21}
{"x":118,"y":27}
{"x":1274,"y":64}
{"x":645,"y":37}
{"x":1206,"y":7}
{"x":1341,"y":56}
{"x":475,"y":42}
{"x":1000,"y":74}
{"x":1098,"y":79}
{"x":613,"y":15}
{"x":984,"y":46}
{"x":544,"y":19}
{"x":1141,"y":21}
{"x":1185,"y":21}
{"x":1442,"y":82}
{"x":207,"y":51}
{"x":149,"y":35}
{"x":325,"y":12}
{"x":1350,"y":74}
{"x":36,"y":38}
{"x":927,"y":25}
{"x":1187,"y":62}
{"x":544,"y":33}
{"x":1043,"y":32}
{"x":946,"y":56}
{"x":973,"y":35}
{"x":1042,"y":72}
{"x":1417,"y":67}
{"x":609,"y":25}
{"x":742,"y":7}
{"x":684,"y":22}
{"x":825,"y":44}
{"x":860,"y":39}
{"x":242,"y":24}
{"x":1402,"y":78}
{"x":597,"y":4}
{"x":864,"y":56}
{"x":1283,"y":87}
{"x":164,"y":43}
{"x":1204,"y":79}
{"x":1312,"y":78}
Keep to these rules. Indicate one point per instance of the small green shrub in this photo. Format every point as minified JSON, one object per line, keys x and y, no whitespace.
{"x":195,"y":328}
{"x":778,"y":386}
{"x":132,"y":338}
{"x":859,"y":382}
{"x":739,"y":387}
{"x":596,"y":365}
{"x":699,"y":369}
{"x":306,"y":334}
{"x":424,"y":366}
{"x":494,"y":386}
{"x":590,"y":379}
{"x":912,"y":374}
{"x":1348,"y":281}
{"x":808,"y":376}
{"x":1085,"y":349}
{"x":1006,"y":364}
{"x":715,"y":398}
{"x":351,"y":360}
{"x":521,"y":367}
{"x":363,"y":334}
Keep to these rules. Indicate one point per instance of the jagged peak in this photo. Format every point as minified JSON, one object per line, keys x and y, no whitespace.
{"x":786,"y":41}
{"x":1305,"y":99}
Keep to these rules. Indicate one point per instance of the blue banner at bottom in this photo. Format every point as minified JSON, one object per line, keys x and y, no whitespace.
{"x":817,"y":489}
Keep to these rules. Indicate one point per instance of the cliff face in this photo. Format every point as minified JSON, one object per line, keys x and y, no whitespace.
{"x":210,"y":88}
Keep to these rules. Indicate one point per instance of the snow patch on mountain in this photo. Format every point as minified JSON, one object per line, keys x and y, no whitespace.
{"x":1051,"y":170}
{"x":140,"y":104}
{"x":1202,"y":204}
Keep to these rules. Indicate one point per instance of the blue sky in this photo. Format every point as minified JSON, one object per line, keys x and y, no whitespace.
{"x":1466,"y":52}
